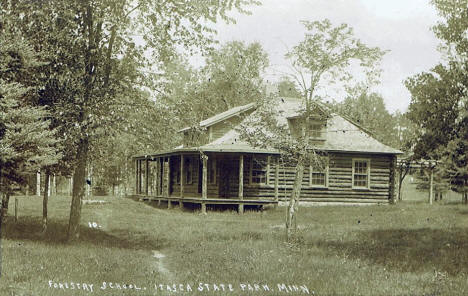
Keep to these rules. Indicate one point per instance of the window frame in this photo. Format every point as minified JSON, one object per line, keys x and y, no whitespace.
{"x":265,"y":169}
{"x":368,"y":163}
{"x":326,"y":172}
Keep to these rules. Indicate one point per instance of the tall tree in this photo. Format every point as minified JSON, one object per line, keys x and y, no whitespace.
{"x":439,"y":98}
{"x":328,"y":54}
{"x":368,"y":110}
{"x":231,"y":77}
{"x":287,"y":88}
{"x":26,"y":140}
{"x":104,"y":60}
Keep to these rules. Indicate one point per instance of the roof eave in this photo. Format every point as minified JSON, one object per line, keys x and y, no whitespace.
{"x":240,"y":111}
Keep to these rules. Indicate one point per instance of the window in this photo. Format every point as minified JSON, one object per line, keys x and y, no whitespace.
{"x":361,"y":173}
{"x":318,"y":172}
{"x":211,"y":171}
{"x":188,"y":170}
{"x":315,"y":129}
{"x":258,"y":170}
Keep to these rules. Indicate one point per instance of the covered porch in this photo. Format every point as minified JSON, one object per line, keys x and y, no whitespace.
{"x":204,"y":178}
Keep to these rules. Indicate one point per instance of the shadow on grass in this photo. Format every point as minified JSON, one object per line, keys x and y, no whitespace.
{"x":409,"y":250}
{"x":463,"y":212}
{"x":29,"y":229}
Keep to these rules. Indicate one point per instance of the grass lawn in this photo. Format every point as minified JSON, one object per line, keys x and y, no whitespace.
{"x":407,"y":249}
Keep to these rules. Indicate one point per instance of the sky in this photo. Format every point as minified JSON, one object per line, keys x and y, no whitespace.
{"x":401,"y":26}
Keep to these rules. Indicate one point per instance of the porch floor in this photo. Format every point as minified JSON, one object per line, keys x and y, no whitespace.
{"x":208,"y":201}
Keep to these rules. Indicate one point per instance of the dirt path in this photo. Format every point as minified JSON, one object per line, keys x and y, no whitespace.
{"x":160,"y":266}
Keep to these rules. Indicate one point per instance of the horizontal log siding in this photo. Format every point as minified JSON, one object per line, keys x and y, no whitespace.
{"x":339,"y":181}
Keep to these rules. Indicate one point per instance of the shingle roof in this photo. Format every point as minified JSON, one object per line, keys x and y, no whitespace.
{"x":340,"y":135}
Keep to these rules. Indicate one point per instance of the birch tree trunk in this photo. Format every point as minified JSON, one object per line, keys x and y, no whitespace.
{"x":294,"y":199}
{"x":38,"y":183}
{"x":45,"y":201}
{"x":54,"y":185}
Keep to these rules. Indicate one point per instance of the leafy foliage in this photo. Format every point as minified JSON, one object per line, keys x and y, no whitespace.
{"x":26,"y":141}
{"x":328,"y":54}
{"x":368,"y":110}
{"x":231,"y":77}
{"x":439,"y":98}
{"x":287,"y":88}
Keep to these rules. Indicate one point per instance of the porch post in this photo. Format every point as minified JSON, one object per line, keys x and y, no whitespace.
{"x":158,"y":180}
{"x":204,"y":182}
{"x":277,"y":182}
{"x":168,"y":177}
{"x":181,"y":204}
{"x":392,"y":180}
{"x":241,"y":183}
{"x":146,"y":176}
{"x":161,"y":176}
{"x":136,"y":176}
{"x":139,"y":176}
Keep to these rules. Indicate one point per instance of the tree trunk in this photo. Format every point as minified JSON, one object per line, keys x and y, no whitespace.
{"x":126,"y":178}
{"x":78,"y":191}
{"x":79,"y":175}
{"x":89,"y":181}
{"x":431,"y":186}
{"x":54,"y":185}
{"x":45,"y":202}
{"x":2,"y":195}
{"x":465,"y":192}
{"x":294,"y":199}
{"x":401,"y":177}
{"x":4,"y":210}
{"x":38,"y":183}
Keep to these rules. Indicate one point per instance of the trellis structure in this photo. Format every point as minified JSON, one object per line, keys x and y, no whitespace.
{"x":407,"y":163}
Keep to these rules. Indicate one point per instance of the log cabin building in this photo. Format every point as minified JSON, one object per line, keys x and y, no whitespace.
{"x":215,"y":166}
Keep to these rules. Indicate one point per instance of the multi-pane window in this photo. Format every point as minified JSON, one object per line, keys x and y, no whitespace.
{"x":258,"y":170}
{"x":211,"y":171}
{"x":315,"y":129}
{"x":361,"y":172}
{"x":318,"y":171}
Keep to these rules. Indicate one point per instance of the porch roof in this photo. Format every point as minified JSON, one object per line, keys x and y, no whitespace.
{"x":209,"y":149}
